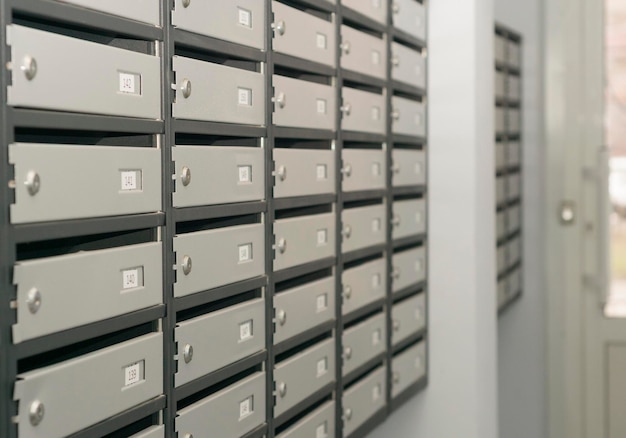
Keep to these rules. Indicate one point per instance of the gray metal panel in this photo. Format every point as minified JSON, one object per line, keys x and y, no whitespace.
{"x":500,"y":48}
{"x":409,"y":267}
{"x":84,"y":181}
{"x":514,"y":56}
{"x":241,"y":330}
{"x":80,"y":392}
{"x":304,"y":307}
{"x":363,"y":342}
{"x":231,"y":412}
{"x":514,"y":88}
{"x":363,"y":227}
{"x":500,"y":120}
{"x":513,"y":120}
{"x":501,"y":264}
{"x":374,"y":9}
{"x":501,"y":158}
{"x":514,"y":153}
{"x":82,"y":76}
{"x":318,"y":424}
{"x":363,"y":111}
{"x":363,"y":169}
{"x":409,"y":117}
{"x":501,"y":224}
{"x":513,"y":216}
{"x":408,"y":65}
{"x":500,"y":189}
{"x":407,"y":368}
{"x":140,"y":10}
{"x":500,"y":84}
{"x":219,"y":257}
{"x":303,"y":104}
{"x":307,"y":238}
{"x":363,"y":400}
{"x":218,"y":93}
{"x":219,"y":175}
{"x":409,"y":167}
{"x":363,"y":53}
{"x":410,"y":17}
{"x":85,"y":287}
{"x":409,"y":218}
{"x":303,"y":374}
{"x":238,"y":21}
{"x":408,"y":317}
{"x":303,"y":172}
{"x":363,"y":285}
{"x":303,"y":35}
{"x":152,"y":432}
{"x":513,"y":186}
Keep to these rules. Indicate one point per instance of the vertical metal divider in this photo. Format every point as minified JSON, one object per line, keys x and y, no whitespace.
{"x":168,"y":231}
{"x":338,"y":226}
{"x":426,"y":147}
{"x":269,"y":222}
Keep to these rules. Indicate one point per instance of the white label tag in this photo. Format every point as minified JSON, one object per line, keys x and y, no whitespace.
{"x":245,"y":17}
{"x":376,"y":392}
{"x":322,"y":366}
{"x":245,"y":331}
{"x":418,"y":217}
{"x":322,"y":430}
{"x":245,"y":252}
{"x":419,"y":313}
{"x":418,"y":119}
{"x":418,"y":168}
{"x":418,"y":70}
{"x":321,"y":41}
{"x":376,"y":280}
{"x":375,"y":113}
{"x":376,"y":169}
{"x":376,"y":225}
{"x":132,"y":278}
{"x":322,"y":302}
{"x":244,"y":96}
{"x":419,"y":265}
{"x":246,"y":407}
{"x":129,"y":83}
{"x":245,"y":174}
{"x":133,"y":373}
{"x":418,"y":362}
{"x":130,"y":180}
{"x":376,"y":337}
{"x":321,"y":106}
{"x":375,"y":57}
{"x":321,"y":171}
{"x":322,"y":237}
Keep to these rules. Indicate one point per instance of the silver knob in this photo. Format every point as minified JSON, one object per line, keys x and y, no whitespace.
{"x":396,"y":325}
{"x":396,"y":378}
{"x":186,"y":88}
{"x":36,"y":412}
{"x":281,"y":317}
{"x":395,"y":114}
{"x":279,"y":27}
{"x":395,"y":273}
{"x":186,"y":3}
{"x":29,"y":67}
{"x":188,"y":353}
{"x":347,"y":353}
{"x":347,"y":291}
{"x":187,"y":265}
{"x":348,"y":414}
{"x":33,"y":182}
{"x":347,"y":231}
{"x":395,"y":61}
{"x":346,"y":109}
{"x":281,"y":173}
{"x":188,"y":435}
{"x":395,"y":8}
{"x":282,"y":245}
{"x":280,"y":99}
{"x":347,"y":170}
{"x":346,"y":47}
{"x":395,"y":168}
{"x":185,"y":176}
{"x":33,"y":300}
{"x":396,"y":221}
{"x":282,"y":389}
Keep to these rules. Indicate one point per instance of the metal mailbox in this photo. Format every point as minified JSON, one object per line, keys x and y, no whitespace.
{"x":363,"y":169}
{"x":303,"y":104}
{"x":363,"y":53}
{"x":218,"y":93}
{"x":303,"y":172}
{"x":409,"y":16}
{"x":302,"y":375}
{"x":212,"y":341}
{"x":362,"y":400}
{"x":52,"y":292}
{"x":363,"y":227}
{"x":303,"y":239}
{"x":375,"y":9}
{"x":57,"y":182}
{"x":239,"y":21}
{"x":408,"y":368}
{"x":408,"y":317}
{"x":409,"y":167}
{"x":304,"y":307}
{"x":363,"y":342}
{"x":108,"y":80}
{"x":319,"y":423}
{"x":363,"y":284}
{"x":61,"y":399}
{"x":409,"y":267}
{"x":409,"y":117}
{"x":363,"y":111}
{"x":208,"y":259}
{"x":407,"y":65}
{"x":231,"y":412}
{"x":146,"y":11}
{"x":409,"y":218}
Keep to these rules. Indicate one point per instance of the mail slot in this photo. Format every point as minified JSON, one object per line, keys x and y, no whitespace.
{"x":208,"y":175}
{"x":362,"y":400}
{"x":363,"y":342}
{"x":303,"y":239}
{"x":107,"y":80}
{"x":218,"y":93}
{"x":363,"y":284}
{"x":303,"y":172}
{"x":363,"y":227}
{"x":408,"y":65}
{"x":300,"y":376}
{"x":241,"y":331}
{"x":303,"y":104}
{"x":55,"y":182}
{"x":409,"y":16}
{"x":238,"y":21}
{"x":409,"y":167}
{"x":363,"y":53}
{"x":146,"y":11}
{"x":409,"y":218}
{"x":409,"y":117}
{"x":303,"y":308}
{"x":409,"y":267}
{"x":375,"y":9}
{"x":52,"y":294}
{"x":363,"y":111}
{"x":408,"y":317}
{"x":363,"y":169}
{"x":408,"y":368}
{"x":319,"y":423}
{"x":213,"y":258}
{"x":61,"y":399}
{"x":303,"y":35}
{"x":232,"y":412}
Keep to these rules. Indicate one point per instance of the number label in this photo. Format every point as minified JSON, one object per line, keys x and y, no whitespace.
{"x":375,"y":281}
{"x":322,"y":430}
{"x":245,"y":331}
{"x":376,"y":337}
{"x":130,"y":180}
{"x":321,"y":106}
{"x":321,"y":171}
{"x":376,"y":392}
{"x":132,"y":278}
{"x":322,"y":237}
{"x":245,"y":253}
{"x":245,"y":17}
{"x":322,"y":366}
{"x":133,"y":373}
{"x":129,"y":83}
{"x":322,"y":302}
{"x":245,"y":174}
{"x":246,"y":407}
{"x":321,"y":41}
{"x":244,"y":96}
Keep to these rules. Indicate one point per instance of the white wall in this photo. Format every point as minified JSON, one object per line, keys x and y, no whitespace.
{"x":522,"y":328}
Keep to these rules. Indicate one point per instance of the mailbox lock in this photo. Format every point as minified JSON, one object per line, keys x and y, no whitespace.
{"x":33,"y":182}
{"x":186,"y":88}
{"x":280,"y":99}
{"x":395,"y":168}
{"x":346,"y":47}
{"x":282,"y":245}
{"x":395,"y":273}
{"x":348,"y":414}
{"x":396,"y":221}
{"x":188,"y":435}
{"x":396,"y":325}
{"x":281,"y":173}
{"x":188,"y":353}
{"x":347,"y":352}
{"x":185,"y":176}
{"x":396,"y":378}
{"x":29,"y":67}
{"x":395,"y":114}
{"x":347,"y":291}
{"x":36,"y":413}
{"x":281,"y":316}
{"x":347,"y":170}
{"x":279,"y":27}
{"x":347,"y":231}
{"x":187,"y":265}
{"x":186,"y":3}
{"x":282,"y":389}
{"x":346,"y":109}
{"x":395,"y":61}
{"x":33,"y":300}
{"x":396,"y":8}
